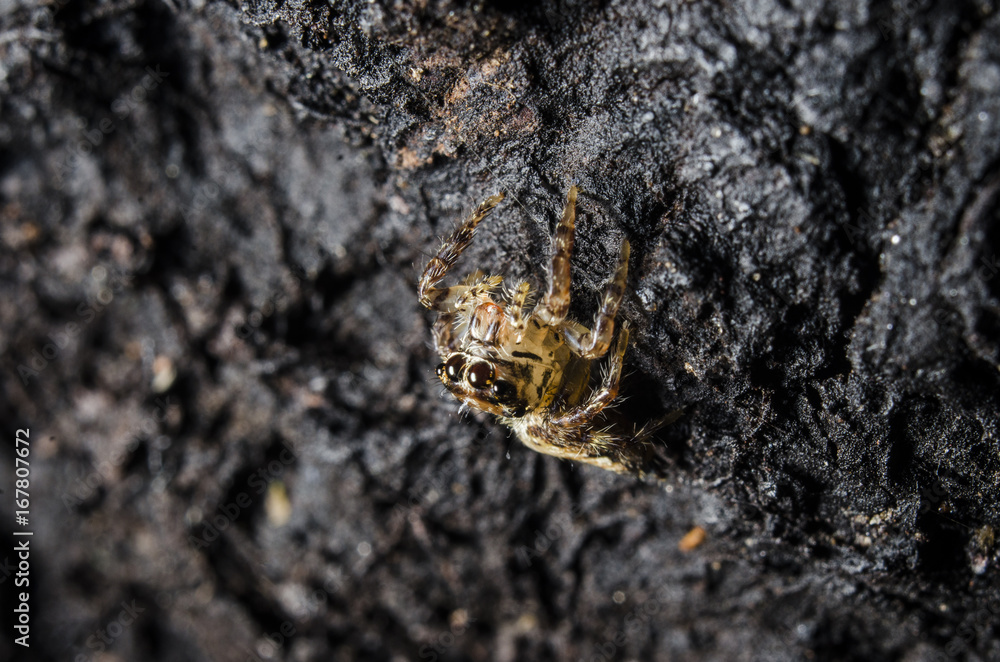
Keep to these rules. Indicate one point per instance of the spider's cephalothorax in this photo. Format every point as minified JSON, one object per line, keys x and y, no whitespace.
{"x":530,"y":365}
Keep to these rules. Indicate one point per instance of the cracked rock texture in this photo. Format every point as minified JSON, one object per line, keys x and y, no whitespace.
{"x":212,"y":219}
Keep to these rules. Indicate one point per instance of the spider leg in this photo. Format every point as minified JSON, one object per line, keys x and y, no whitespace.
{"x":580,"y":434}
{"x":594,"y":343}
{"x":602,"y":396}
{"x":444,"y":335}
{"x":555,"y":305}
{"x":518,"y":302}
{"x":443,"y":299}
{"x":519,"y":299}
{"x":580,"y":443}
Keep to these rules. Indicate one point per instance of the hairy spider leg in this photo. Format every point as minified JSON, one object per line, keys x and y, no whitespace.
{"x":445,"y":299}
{"x":594,"y":343}
{"x":444,"y":335}
{"x":604,"y":395}
{"x":555,"y":305}
{"x":518,"y":302}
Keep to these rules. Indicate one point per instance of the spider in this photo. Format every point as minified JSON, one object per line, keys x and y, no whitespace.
{"x":529,"y":364}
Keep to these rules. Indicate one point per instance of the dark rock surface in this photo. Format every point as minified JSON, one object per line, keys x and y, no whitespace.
{"x":212,"y":223}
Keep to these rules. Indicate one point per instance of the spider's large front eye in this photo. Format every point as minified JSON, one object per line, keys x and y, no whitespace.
{"x":480,"y":375}
{"x":453,"y":367}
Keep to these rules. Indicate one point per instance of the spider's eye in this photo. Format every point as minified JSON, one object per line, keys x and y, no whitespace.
{"x":480,"y":375}
{"x":453,"y":367}
{"x":504,"y":391}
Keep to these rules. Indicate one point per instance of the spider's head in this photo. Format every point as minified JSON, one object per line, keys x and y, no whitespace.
{"x":485,"y":384}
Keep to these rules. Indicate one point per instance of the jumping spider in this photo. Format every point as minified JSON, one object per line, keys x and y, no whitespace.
{"x":530,"y":365}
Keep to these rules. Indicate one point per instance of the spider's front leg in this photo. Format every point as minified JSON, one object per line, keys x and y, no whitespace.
{"x":555,"y":305}
{"x":443,"y":299}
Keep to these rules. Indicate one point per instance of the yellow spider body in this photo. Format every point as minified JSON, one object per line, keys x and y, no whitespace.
{"x":528,"y":364}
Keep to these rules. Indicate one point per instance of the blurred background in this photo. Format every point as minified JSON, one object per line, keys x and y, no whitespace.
{"x":212,"y":221}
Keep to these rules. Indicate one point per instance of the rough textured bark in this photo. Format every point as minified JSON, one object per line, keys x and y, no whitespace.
{"x":213,"y":218}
